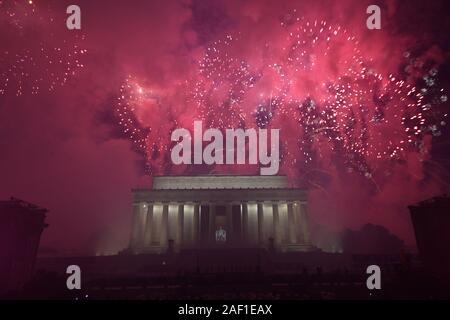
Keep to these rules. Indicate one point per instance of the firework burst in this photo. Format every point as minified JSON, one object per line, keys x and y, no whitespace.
{"x":315,"y":84}
{"x":34,"y":63}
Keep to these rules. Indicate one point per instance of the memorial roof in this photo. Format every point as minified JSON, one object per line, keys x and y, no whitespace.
{"x":219,"y":182}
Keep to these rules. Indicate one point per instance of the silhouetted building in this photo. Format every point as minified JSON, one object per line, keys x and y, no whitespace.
{"x":220,"y":211}
{"x":431,"y":221}
{"x":371,"y":239}
{"x":21,"y":225}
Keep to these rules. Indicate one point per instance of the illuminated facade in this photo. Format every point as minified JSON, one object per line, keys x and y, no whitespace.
{"x":219,"y":211}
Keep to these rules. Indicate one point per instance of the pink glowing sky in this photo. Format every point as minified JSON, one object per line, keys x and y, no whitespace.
{"x":86,"y":115}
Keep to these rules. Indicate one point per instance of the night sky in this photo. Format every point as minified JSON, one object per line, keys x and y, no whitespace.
{"x":86,"y":115}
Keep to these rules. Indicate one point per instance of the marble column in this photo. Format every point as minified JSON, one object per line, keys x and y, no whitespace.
{"x":196,"y":226}
{"x":304,"y":222}
{"x":291,"y":224}
{"x":142,"y":225}
{"x":261,"y":236}
{"x":172,"y":223}
{"x":229,"y":226}
{"x":164,"y":233}
{"x":157,"y":225}
{"x":148,"y":226}
{"x":212,"y":223}
{"x":252,"y":224}
{"x":180,"y":226}
{"x":297,"y":218}
{"x":283,"y":223}
{"x":244,"y":209}
{"x":276,"y":224}
{"x":268,"y":222}
{"x":188,"y":224}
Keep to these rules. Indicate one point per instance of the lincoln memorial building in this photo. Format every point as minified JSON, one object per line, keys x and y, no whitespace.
{"x":219,"y":211}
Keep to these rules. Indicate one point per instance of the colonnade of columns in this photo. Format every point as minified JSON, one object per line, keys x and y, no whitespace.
{"x":160,"y":226}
